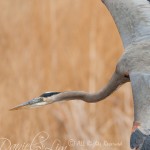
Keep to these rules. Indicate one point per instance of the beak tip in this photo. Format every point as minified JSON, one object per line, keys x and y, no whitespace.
{"x":16,"y":108}
{"x":12,"y":109}
{"x":28,"y":104}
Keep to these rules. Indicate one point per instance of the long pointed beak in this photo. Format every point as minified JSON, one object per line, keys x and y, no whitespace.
{"x":36,"y":102}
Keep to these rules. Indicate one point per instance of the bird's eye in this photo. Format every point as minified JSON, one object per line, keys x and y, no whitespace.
{"x":126,"y":76}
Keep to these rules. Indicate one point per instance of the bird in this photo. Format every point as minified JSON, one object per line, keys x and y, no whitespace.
{"x":132,"y":19}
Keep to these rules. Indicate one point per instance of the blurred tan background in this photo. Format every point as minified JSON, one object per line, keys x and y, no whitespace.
{"x":55,"y":45}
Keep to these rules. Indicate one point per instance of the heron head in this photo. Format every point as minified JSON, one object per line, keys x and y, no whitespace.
{"x":44,"y":99}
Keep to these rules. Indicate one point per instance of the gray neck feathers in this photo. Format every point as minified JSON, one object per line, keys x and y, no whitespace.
{"x":132,"y":18}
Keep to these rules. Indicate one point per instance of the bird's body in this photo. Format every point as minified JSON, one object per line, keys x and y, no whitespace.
{"x":132,"y":18}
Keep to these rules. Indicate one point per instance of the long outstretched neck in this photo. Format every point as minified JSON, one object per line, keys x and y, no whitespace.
{"x":112,"y":85}
{"x":51,"y":97}
{"x":132,"y":18}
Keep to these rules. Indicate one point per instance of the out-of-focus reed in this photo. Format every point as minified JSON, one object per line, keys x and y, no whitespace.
{"x":55,"y":45}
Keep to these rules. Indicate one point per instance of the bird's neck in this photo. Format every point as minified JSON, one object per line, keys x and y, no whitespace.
{"x":132,"y":18}
{"x":112,"y":85}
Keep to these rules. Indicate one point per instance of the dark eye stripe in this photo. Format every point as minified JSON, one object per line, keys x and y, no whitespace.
{"x":49,"y":94}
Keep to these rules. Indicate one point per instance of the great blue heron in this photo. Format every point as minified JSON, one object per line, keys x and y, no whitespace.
{"x":132,"y":18}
